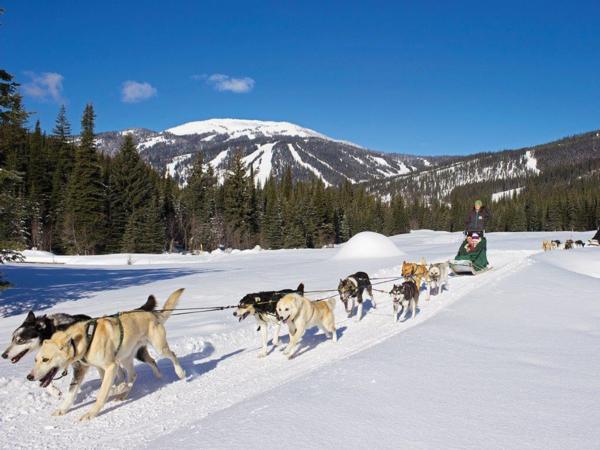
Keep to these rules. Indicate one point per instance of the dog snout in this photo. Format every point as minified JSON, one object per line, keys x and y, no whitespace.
{"x":5,"y":355}
{"x":30,"y":377}
{"x":235,"y":314}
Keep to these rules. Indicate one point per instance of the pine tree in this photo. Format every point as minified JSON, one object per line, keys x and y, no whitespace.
{"x":235,"y":203}
{"x":85,"y":221}
{"x":130,"y":189}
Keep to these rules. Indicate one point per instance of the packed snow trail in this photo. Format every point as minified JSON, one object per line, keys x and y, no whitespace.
{"x":513,"y":365}
{"x":222,"y":366}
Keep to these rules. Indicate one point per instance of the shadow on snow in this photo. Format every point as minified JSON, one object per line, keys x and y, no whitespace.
{"x":39,"y":288}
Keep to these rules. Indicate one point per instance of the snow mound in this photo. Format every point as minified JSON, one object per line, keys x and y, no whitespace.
{"x":368,"y":245}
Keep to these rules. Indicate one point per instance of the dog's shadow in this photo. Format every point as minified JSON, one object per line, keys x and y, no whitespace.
{"x":312,"y":338}
{"x":407,"y":315}
{"x":194,"y":364}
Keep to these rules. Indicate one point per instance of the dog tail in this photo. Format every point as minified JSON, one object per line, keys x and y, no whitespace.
{"x":170,"y":305}
{"x":150,"y":304}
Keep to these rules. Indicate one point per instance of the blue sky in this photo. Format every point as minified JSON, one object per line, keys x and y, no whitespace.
{"x":415,"y":77}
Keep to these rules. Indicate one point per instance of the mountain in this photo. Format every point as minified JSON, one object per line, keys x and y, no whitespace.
{"x":570,"y":157}
{"x":267,"y":147}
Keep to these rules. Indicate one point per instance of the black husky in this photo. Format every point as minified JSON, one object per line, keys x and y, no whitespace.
{"x":405,"y":295}
{"x":263,"y":306}
{"x":352,"y":287}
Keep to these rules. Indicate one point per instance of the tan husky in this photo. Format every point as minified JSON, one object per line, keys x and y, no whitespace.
{"x":300,"y":314}
{"x":105,"y":343}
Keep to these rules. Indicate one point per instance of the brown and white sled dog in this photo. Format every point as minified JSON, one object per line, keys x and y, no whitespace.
{"x":438,"y":277}
{"x":263,"y":306}
{"x":547,"y":246}
{"x":300,"y":314}
{"x":416,"y":272}
{"x":405,"y":295}
{"x":112,"y":342}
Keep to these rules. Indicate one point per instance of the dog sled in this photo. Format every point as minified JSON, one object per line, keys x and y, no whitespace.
{"x":595,"y":241}
{"x":471,"y":261}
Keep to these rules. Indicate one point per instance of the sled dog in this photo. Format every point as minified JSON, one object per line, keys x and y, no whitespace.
{"x":300,"y":314}
{"x":417,"y":272}
{"x":547,"y":246}
{"x":104,"y":343}
{"x":569,"y":244}
{"x":28,"y":337}
{"x":556,"y":244}
{"x":263,"y":306}
{"x":438,"y":277}
{"x":579,"y":243}
{"x":352,"y":287}
{"x":405,"y":295}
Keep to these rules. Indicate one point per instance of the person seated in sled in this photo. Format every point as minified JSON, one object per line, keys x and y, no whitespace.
{"x":474,"y":249}
{"x":478,"y":218}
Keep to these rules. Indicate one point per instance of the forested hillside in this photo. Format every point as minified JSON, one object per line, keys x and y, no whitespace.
{"x":60,"y":193}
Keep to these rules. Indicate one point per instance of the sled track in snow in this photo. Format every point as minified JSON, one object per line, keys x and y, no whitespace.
{"x":222,"y":371}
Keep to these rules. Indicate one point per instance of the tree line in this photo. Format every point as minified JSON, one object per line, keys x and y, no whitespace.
{"x":59,"y":193}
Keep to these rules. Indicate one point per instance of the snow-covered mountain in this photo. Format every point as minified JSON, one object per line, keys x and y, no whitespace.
{"x":268,"y":147}
{"x":565,"y":159}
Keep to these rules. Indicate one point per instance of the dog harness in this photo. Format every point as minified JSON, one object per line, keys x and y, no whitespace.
{"x":90,"y":331}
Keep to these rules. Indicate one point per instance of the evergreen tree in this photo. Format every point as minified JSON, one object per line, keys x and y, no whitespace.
{"x":85,"y":220}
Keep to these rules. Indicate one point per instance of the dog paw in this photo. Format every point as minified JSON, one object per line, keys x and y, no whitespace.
{"x":59,"y":412}
{"x":87,"y":416}
{"x":181,"y":373}
{"x":123,"y":396}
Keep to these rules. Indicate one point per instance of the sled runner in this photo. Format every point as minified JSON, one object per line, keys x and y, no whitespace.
{"x":466,"y":267}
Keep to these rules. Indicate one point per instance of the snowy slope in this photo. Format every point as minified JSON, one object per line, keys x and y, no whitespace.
{"x":268,"y":146}
{"x":236,"y":128}
{"x":502,"y":360}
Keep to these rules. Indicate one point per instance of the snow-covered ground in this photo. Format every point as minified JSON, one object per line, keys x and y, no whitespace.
{"x":506,"y":359}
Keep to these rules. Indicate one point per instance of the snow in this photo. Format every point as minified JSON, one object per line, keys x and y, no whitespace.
{"x":380,"y":161}
{"x":496,"y":196}
{"x":151,"y":142}
{"x":506,"y":359}
{"x":531,"y":162}
{"x":299,"y":160}
{"x":261,"y":161}
{"x":172,"y":167}
{"x":368,"y":245}
{"x":217,"y":160}
{"x":236,"y":128}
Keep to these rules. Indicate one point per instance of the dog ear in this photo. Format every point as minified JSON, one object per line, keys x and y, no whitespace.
{"x":300,"y":288}
{"x":30,"y":317}
{"x":256,"y":300}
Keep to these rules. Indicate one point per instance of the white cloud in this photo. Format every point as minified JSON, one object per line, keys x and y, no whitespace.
{"x":225,"y":83}
{"x":134,"y":92}
{"x":46,"y":86}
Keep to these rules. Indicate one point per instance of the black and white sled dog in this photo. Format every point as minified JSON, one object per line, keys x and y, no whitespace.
{"x":405,"y":295}
{"x":579,"y":243}
{"x":30,"y":335}
{"x":438,"y":277}
{"x":263,"y":306}
{"x":353,"y":287}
